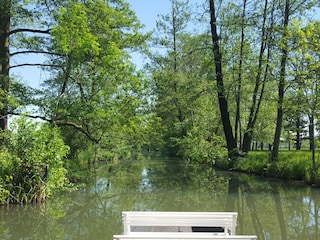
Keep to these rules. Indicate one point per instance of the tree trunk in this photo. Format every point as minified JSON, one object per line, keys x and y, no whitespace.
{"x":280,"y":212}
{"x":4,"y":62}
{"x":223,"y":103}
{"x":298,"y":134}
{"x":255,"y":104}
{"x":238,"y":90}
{"x":312,"y":148}
{"x":281,"y":89}
{"x":177,"y":104}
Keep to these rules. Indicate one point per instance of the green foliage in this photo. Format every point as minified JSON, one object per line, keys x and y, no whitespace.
{"x":183,"y":94}
{"x":32,"y":163}
{"x":86,"y":155}
{"x":103,"y":101}
{"x":4,"y":193}
{"x":72,"y":35}
{"x":93,"y":92}
{"x":199,"y":148}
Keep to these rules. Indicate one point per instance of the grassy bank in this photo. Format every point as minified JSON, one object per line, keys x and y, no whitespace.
{"x":293,"y":165}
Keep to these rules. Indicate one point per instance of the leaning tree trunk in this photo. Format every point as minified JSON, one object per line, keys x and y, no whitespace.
{"x":4,"y":62}
{"x":281,"y":89}
{"x":223,"y":103}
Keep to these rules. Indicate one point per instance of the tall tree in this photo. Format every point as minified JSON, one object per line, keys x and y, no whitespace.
{"x":21,"y":38}
{"x":307,"y":77}
{"x":5,"y":11}
{"x":92,"y":90}
{"x":169,"y":79}
{"x":95,"y":90}
{"x":239,"y":85}
{"x":289,"y":9}
{"x":173,"y":26}
{"x":281,"y":84}
{"x":223,"y":102}
{"x":182,"y":93}
{"x":260,"y":77}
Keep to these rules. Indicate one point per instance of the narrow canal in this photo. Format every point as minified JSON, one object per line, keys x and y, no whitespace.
{"x":270,"y":209}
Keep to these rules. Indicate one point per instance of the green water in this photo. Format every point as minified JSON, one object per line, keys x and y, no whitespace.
{"x":269,"y":209}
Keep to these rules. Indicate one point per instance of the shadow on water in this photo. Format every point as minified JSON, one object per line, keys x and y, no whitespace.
{"x":271,"y":209}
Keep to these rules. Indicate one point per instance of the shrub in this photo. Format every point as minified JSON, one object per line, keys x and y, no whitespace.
{"x":199,"y":148}
{"x":33,"y":162}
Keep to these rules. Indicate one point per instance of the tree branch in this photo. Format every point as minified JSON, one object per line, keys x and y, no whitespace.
{"x":29,"y":30}
{"x":31,"y":116}
{"x":77,"y":127}
{"x":197,"y":49}
{"x":34,"y":65}
{"x":80,"y":128}
{"x":35,"y":52}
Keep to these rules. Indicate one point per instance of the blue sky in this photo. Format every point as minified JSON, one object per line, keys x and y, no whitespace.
{"x":147,"y":10}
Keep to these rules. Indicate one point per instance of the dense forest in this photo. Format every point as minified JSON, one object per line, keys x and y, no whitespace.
{"x":222,"y":78}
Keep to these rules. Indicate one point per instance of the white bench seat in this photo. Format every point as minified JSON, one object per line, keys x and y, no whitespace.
{"x":180,"y":236}
{"x":134,"y":221}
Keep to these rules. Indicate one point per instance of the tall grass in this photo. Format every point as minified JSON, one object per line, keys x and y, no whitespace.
{"x":295,"y":165}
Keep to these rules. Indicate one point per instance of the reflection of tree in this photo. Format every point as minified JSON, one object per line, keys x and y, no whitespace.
{"x":256,"y":222}
{"x":234,"y":194}
{"x":316,"y":213}
{"x":180,"y":187}
{"x":233,"y":188}
{"x":280,"y":214}
{"x":297,"y":206}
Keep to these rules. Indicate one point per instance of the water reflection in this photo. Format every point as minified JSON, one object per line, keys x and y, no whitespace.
{"x":269,"y":209}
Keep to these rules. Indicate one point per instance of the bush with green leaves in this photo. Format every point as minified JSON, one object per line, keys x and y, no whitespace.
{"x":200,"y":147}
{"x":32,"y":162}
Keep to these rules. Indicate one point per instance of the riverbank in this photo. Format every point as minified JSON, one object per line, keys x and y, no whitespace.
{"x":292,"y":165}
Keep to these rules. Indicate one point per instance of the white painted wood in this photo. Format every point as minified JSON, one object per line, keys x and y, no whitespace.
{"x":136,"y":219}
{"x":180,"y":236}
